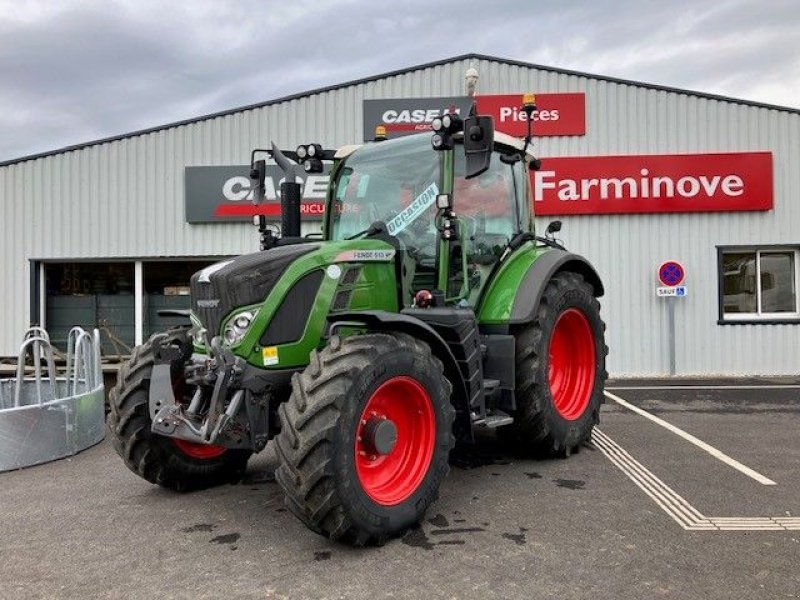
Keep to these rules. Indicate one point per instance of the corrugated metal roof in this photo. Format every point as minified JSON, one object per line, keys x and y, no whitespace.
{"x":444,"y":61}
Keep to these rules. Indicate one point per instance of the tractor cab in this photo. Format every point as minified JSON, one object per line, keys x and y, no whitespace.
{"x":451,"y":227}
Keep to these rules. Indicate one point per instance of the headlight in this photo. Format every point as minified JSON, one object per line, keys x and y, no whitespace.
{"x":197,"y":332}
{"x":237,"y":327}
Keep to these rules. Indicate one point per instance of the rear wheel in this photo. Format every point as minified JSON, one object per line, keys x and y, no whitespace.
{"x":365,"y":437}
{"x":560,"y":370}
{"x":168,"y":462}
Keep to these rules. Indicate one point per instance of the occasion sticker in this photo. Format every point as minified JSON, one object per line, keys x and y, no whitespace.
{"x":411,"y":212}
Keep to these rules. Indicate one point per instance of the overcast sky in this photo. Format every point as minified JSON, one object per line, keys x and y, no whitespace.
{"x":74,"y":71}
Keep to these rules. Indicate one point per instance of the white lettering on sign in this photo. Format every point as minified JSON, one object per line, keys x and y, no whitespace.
{"x":514,"y":114}
{"x":644,"y":186}
{"x":418,"y":115}
{"x":238,"y":189}
{"x":316,"y":186}
{"x":410,"y":213}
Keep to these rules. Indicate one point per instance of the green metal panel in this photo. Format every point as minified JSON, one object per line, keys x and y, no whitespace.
{"x":375,"y":289}
{"x":495,"y":307}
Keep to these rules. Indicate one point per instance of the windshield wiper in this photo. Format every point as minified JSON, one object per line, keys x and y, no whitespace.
{"x":376,"y":227}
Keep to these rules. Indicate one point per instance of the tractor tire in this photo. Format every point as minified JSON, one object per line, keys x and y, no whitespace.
{"x":365,"y":437}
{"x":560,"y":371}
{"x":168,"y":462}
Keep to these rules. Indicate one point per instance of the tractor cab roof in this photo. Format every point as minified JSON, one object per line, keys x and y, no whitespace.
{"x":500,"y":138}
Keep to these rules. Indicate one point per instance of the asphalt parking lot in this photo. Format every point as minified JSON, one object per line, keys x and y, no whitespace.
{"x":642,"y":512}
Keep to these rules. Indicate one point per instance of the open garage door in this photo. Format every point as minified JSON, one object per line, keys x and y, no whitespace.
{"x":120,"y":298}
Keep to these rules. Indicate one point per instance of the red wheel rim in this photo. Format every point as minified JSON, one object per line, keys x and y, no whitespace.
{"x":572,"y":364}
{"x":199,"y":451}
{"x":390,"y":478}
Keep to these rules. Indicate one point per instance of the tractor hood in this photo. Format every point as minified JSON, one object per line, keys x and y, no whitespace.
{"x":242,"y":281}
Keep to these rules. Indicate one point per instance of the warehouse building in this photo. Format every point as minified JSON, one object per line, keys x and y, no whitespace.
{"x":648,"y":180}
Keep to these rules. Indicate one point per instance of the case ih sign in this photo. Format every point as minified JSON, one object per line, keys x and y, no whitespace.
{"x":223,"y":194}
{"x":669,"y":183}
{"x":556,"y":114}
{"x":591,"y":185}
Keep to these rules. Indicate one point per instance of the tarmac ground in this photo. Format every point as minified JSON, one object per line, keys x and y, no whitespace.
{"x":687,"y":491}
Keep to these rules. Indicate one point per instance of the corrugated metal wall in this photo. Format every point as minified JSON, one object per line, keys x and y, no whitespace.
{"x":125,"y":199}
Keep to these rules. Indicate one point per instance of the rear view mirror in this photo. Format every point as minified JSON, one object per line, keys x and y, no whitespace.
{"x":258,"y":174}
{"x":478,"y":143}
{"x":553,"y":227}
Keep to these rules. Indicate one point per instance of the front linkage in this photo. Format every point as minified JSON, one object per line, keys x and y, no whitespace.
{"x":223,"y":383}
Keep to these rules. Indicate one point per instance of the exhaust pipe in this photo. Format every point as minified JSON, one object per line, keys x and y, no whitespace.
{"x":290,"y":195}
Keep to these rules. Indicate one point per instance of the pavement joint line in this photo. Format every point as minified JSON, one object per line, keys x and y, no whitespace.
{"x":718,"y":454}
{"x":787,"y":386}
{"x":672,"y":503}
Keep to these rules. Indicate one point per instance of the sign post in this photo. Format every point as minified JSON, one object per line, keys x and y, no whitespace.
{"x":671,"y":274}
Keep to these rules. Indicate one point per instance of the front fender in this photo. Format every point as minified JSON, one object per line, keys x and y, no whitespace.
{"x":516,"y":289}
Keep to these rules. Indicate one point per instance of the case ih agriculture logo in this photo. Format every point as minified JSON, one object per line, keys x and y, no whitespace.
{"x":556,"y":114}
{"x":653,"y":184}
{"x":224,"y":194}
{"x":404,"y":116}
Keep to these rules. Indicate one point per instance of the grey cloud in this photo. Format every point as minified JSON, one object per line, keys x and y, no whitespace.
{"x":91,"y":69}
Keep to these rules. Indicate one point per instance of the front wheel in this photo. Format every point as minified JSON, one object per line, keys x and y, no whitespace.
{"x":168,"y":462}
{"x":365,"y":437}
{"x":560,"y":370}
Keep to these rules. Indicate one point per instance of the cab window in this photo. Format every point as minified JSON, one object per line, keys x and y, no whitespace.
{"x":489,"y":207}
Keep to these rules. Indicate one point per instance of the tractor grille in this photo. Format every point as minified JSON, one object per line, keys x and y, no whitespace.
{"x":243,"y":281}
{"x":344,"y":292}
{"x":351,"y":275}
{"x":342,"y":300}
{"x":289,"y":321}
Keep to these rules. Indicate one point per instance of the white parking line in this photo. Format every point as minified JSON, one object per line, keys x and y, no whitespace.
{"x":776,"y":386}
{"x":677,"y":507}
{"x":693,"y":440}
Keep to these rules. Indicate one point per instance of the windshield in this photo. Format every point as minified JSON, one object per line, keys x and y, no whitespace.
{"x":394,"y":182}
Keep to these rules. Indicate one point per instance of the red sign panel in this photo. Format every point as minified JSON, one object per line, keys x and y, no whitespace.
{"x":601,"y":185}
{"x":555,"y":114}
{"x":671,"y":273}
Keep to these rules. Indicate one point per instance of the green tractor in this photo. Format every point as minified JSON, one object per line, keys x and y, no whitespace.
{"x":428,"y":310}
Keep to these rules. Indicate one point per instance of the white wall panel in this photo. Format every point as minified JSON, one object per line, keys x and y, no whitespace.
{"x":124,"y":199}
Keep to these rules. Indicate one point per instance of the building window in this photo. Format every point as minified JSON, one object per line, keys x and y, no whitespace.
{"x":759,"y":284}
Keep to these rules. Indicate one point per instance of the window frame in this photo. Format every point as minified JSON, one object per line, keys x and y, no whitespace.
{"x":759,"y":317}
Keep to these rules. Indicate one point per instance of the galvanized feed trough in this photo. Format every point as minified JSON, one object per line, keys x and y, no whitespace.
{"x":45,"y":415}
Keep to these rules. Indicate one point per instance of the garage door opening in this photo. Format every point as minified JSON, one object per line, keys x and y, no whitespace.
{"x":120,"y":298}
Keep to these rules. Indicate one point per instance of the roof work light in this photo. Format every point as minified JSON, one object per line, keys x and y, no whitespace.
{"x":444,"y":127}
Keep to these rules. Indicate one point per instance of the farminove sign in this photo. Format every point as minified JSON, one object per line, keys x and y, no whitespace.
{"x":666,"y":183}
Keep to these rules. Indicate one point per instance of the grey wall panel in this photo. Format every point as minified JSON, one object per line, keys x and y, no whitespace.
{"x":124,"y":199}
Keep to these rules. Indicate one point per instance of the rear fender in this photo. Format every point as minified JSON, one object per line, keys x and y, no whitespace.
{"x":501,"y":308}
